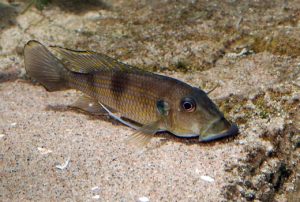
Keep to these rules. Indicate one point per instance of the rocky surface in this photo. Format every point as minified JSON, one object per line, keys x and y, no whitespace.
{"x":250,"y":50}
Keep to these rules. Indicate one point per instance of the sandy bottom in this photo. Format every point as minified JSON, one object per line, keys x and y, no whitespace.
{"x":249,"y":49}
{"x":39,"y":132}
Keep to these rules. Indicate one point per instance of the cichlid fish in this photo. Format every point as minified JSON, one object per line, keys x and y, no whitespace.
{"x":146,"y":101}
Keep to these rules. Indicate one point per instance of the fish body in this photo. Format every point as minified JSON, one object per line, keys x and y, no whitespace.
{"x":133,"y":94}
{"x":150,"y":101}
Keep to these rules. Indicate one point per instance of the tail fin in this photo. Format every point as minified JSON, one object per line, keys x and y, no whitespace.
{"x":43,"y":66}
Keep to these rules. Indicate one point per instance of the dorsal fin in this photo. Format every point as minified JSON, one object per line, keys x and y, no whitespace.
{"x":88,"y":61}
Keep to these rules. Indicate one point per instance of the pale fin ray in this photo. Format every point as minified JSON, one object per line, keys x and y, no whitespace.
{"x":143,"y":135}
{"x":111,"y":114}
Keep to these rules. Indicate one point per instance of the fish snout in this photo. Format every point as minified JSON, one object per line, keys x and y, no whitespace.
{"x":221,"y":128}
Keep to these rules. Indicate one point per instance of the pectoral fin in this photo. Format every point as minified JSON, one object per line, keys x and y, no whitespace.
{"x":143,"y":135}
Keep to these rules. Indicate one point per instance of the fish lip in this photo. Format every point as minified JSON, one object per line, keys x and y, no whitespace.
{"x":233,"y":130}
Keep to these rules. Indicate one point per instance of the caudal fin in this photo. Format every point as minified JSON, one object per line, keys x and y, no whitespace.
{"x":43,"y":66}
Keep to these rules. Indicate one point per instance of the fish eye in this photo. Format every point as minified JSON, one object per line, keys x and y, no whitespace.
{"x":188,"y":104}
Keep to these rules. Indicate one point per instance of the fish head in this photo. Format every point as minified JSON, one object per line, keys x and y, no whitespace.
{"x":195,"y":114}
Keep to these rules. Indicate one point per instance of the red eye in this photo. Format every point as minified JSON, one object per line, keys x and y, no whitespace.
{"x":188,"y":104}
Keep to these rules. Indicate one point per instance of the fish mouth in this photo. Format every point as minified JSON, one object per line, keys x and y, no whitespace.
{"x":233,"y":130}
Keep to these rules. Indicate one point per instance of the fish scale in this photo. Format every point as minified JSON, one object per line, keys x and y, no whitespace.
{"x":136,"y":101}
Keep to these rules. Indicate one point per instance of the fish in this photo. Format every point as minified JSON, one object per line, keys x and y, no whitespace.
{"x":145,"y":101}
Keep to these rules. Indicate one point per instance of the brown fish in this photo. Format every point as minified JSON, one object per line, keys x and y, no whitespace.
{"x":147,"y":102}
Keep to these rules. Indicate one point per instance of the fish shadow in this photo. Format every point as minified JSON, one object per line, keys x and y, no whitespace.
{"x":8,"y":16}
{"x":90,"y":116}
{"x":9,"y":76}
{"x":190,"y":141}
{"x":80,"y":6}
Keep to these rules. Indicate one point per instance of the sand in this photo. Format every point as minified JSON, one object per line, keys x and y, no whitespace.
{"x":49,"y":152}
